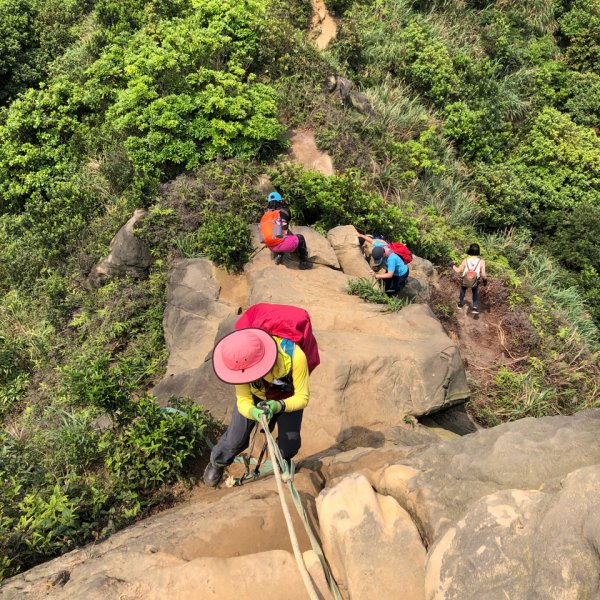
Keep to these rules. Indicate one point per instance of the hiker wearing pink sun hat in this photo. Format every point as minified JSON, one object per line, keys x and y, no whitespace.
{"x":265,"y":360}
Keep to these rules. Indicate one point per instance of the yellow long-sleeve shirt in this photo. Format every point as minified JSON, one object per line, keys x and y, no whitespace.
{"x":299,"y":367}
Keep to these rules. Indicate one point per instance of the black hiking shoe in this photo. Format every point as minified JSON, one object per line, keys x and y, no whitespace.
{"x":459,"y":305}
{"x":475,"y":311}
{"x":278,"y":258}
{"x":304,"y":265}
{"x":212,"y":475}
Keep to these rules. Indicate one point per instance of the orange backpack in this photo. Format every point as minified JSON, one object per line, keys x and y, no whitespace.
{"x":270,"y":229}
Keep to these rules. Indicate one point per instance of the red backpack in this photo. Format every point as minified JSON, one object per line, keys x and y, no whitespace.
{"x":288,"y":322}
{"x":270,"y":228}
{"x":402,"y":251}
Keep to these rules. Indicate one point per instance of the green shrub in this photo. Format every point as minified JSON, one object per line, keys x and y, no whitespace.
{"x":180,"y":94}
{"x":97,"y":381}
{"x":581,"y":26}
{"x":556,"y":167}
{"x":425,"y":61}
{"x":132,"y":14}
{"x":225,"y":239}
{"x":326,"y":202}
{"x":32,"y":34}
{"x":155,"y":446}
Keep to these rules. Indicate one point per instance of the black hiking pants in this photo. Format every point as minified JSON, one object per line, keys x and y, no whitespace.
{"x":393,"y":285}
{"x":302,"y":250}
{"x":463,"y":291}
{"x":237,"y":437}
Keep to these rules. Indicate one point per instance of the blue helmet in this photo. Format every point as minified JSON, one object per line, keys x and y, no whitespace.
{"x":274,"y":197}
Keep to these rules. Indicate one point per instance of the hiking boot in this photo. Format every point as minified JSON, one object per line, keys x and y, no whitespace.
{"x":304,"y":265}
{"x":212,"y":475}
{"x":278,"y":258}
{"x":475,"y":311}
{"x":459,"y":305}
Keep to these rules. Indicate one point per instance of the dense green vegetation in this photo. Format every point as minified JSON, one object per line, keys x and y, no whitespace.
{"x":485,"y":129}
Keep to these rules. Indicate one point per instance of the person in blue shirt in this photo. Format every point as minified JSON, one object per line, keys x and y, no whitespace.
{"x":389,"y":268}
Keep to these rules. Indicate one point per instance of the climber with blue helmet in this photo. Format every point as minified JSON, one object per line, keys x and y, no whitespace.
{"x":289,"y":242}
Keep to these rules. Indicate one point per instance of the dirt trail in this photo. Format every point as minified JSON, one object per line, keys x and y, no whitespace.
{"x":483,"y":340}
{"x":323,"y":26}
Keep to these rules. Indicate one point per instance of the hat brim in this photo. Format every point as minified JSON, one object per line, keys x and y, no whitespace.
{"x":377,"y":262}
{"x":260,"y":369}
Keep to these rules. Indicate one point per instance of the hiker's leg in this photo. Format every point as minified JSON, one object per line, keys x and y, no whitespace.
{"x":233,"y":441}
{"x":288,"y":433}
{"x":401,"y":282}
{"x":302,"y":250}
{"x":475,"y":298}
{"x":389,"y":286}
{"x":461,"y":300}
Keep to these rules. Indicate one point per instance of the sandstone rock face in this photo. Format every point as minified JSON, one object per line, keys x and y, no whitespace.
{"x":349,"y":253}
{"x":193,"y":313}
{"x":396,"y":364}
{"x":237,"y":547}
{"x":304,"y":150}
{"x":529,"y":454}
{"x":529,"y":544}
{"x":509,"y":512}
{"x":128,"y":255}
{"x":371,"y":542}
{"x":345,"y":243}
{"x":323,"y":26}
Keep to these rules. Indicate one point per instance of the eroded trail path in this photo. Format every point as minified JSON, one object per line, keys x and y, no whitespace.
{"x":323,"y":27}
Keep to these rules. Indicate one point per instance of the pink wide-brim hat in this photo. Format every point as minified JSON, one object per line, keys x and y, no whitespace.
{"x":244,"y":356}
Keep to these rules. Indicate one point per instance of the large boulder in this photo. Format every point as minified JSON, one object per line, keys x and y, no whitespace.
{"x":193,"y":314}
{"x":349,"y":96}
{"x":377,"y":368}
{"x":235,"y":548}
{"x":371,"y":542}
{"x":128,"y":255}
{"x":344,"y":241}
{"x":523,"y":544}
{"x":529,"y":454}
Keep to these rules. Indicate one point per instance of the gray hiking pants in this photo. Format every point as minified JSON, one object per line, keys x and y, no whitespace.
{"x":237,"y":436}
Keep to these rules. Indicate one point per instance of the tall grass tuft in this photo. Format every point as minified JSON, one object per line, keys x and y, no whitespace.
{"x":370,"y":291}
{"x":399,"y":114}
{"x":543,"y":274}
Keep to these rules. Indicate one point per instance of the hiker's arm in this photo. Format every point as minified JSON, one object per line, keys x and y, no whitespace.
{"x":482,"y":270}
{"x":460,"y":268}
{"x":386,"y":275}
{"x":367,"y":238}
{"x":300,"y":378}
{"x":245,"y":403}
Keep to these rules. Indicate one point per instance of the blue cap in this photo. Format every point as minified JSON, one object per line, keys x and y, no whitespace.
{"x":274,"y":197}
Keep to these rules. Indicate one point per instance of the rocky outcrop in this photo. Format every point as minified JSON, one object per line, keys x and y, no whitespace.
{"x":193,"y":313}
{"x":349,"y":97}
{"x":371,"y":542}
{"x":509,"y":512}
{"x":128,"y":255}
{"x":345,"y":243}
{"x":396,"y":364}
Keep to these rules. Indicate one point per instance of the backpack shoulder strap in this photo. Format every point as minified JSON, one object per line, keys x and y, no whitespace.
{"x":288,"y":347}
